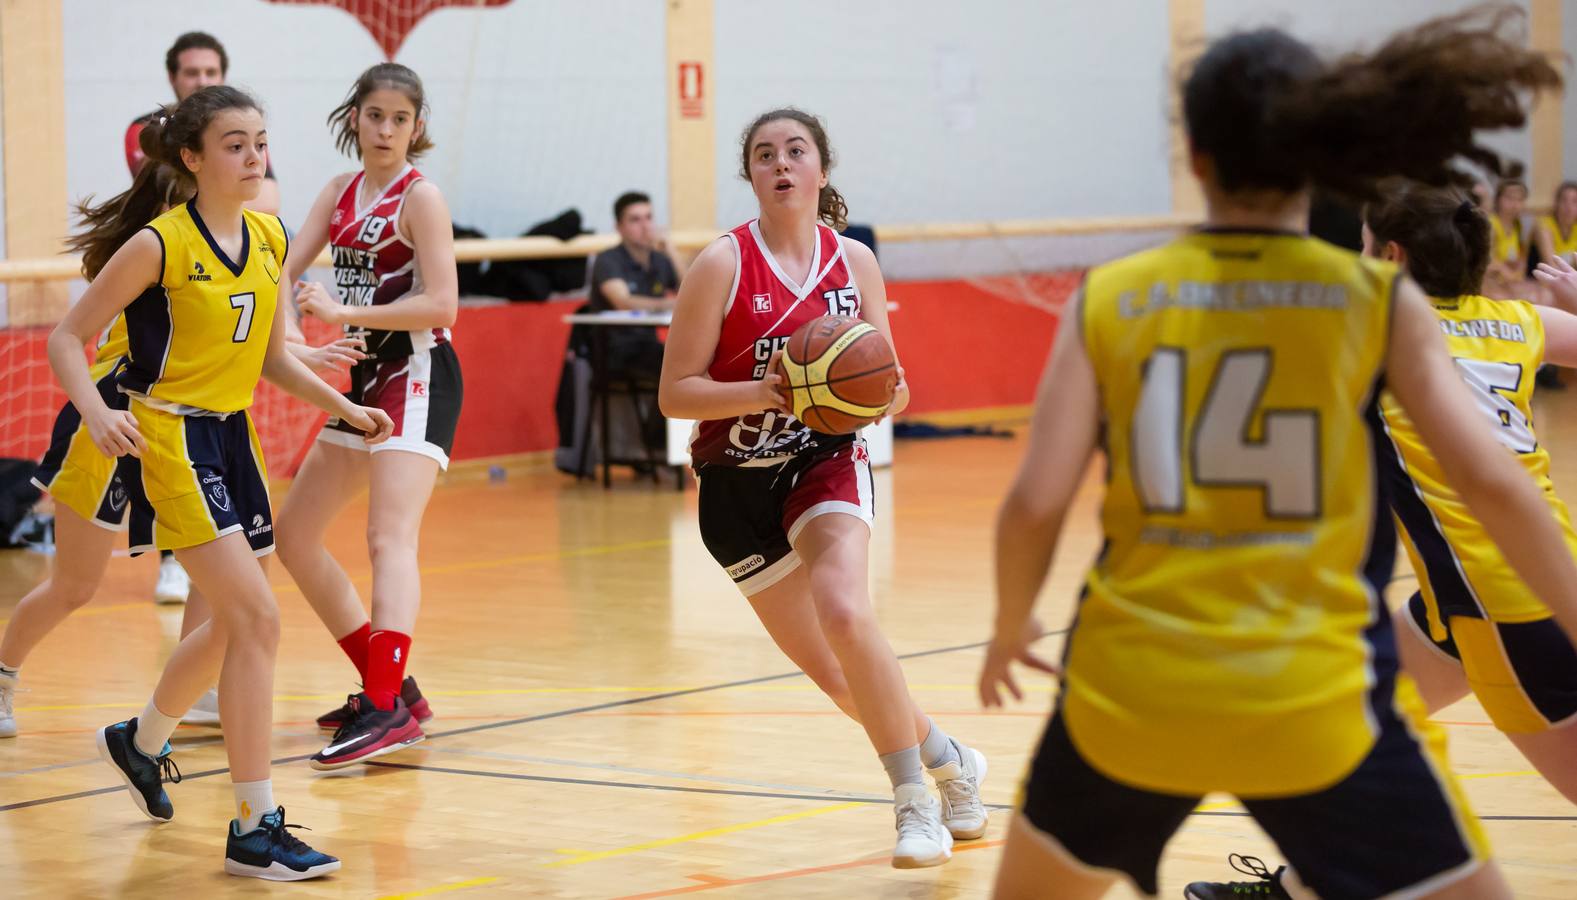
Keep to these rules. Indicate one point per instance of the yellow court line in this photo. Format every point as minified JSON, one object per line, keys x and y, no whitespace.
{"x":441,"y":889}
{"x":701,"y":835}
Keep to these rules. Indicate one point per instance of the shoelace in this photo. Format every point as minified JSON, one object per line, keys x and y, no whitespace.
{"x":912,"y":820}
{"x":168,"y":769}
{"x":8,"y":701}
{"x":285,"y":839}
{"x":960,"y":796}
{"x":352,"y":710}
{"x":1252,"y":865}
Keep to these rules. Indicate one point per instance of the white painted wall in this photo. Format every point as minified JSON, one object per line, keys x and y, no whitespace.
{"x":537,"y":106}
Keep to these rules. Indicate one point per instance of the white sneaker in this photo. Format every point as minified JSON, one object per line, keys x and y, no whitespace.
{"x":922,"y":841}
{"x":205,"y":711}
{"x":959,"y":784}
{"x":174,"y":584}
{"x":7,"y":707}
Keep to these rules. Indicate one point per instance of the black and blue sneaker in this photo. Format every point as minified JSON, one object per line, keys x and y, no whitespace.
{"x":271,"y":852}
{"x":1267,"y":884}
{"x":144,"y":775}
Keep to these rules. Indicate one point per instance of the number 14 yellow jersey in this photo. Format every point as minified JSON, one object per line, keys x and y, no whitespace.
{"x":1232,"y":635}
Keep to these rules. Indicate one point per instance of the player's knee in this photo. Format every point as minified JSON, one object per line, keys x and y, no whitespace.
{"x":73,"y":594}
{"x":843,"y":618}
{"x":291,"y":548}
{"x":257,"y":623}
{"x":386,"y":542}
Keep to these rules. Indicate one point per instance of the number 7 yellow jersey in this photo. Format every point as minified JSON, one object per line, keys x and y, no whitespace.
{"x":1232,"y":635}
{"x":197,"y":338}
{"x":1498,"y":345}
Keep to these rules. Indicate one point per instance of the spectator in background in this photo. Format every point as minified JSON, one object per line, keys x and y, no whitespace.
{"x":195,"y":61}
{"x":1556,"y":234}
{"x":639,"y":274}
{"x":1508,"y":255}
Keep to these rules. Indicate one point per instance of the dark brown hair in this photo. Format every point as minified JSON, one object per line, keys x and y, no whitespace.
{"x":383,"y":75}
{"x":195,"y":40}
{"x":830,"y":207}
{"x":1445,"y":235}
{"x":163,"y":179}
{"x":625,"y":201}
{"x":1506,"y":184}
{"x":1560,"y":189}
{"x":1271,"y":115}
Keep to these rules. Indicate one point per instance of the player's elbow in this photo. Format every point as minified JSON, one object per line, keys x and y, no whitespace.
{"x":447,"y":303}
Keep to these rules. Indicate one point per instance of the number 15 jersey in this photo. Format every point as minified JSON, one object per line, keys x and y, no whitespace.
{"x":763,"y":309}
{"x":1232,"y":635}
{"x":1498,"y":345}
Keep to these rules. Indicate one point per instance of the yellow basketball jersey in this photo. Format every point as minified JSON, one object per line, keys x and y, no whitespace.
{"x":1562,"y":244}
{"x":1507,"y":243}
{"x":111,"y":347}
{"x":1498,"y":345}
{"x":1223,"y":640}
{"x":198,"y":339}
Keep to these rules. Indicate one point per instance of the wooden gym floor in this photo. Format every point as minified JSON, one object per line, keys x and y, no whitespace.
{"x":611,"y":720}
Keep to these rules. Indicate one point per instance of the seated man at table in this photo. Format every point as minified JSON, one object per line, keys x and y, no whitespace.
{"x":639,"y":274}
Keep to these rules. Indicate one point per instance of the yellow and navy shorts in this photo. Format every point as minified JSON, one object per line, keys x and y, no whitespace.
{"x":78,"y":475}
{"x":1398,"y":821}
{"x":1523,"y":673}
{"x":203,"y":477}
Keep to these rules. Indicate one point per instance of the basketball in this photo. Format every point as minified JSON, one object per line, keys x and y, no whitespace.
{"x":840,"y":374}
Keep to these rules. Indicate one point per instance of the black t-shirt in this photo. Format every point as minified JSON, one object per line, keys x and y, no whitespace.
{"x":653,"y":280}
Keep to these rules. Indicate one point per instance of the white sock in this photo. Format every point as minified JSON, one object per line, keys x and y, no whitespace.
{"x":154,"y":729}
{"x":253,"y":800}
{"x":9,"y":671}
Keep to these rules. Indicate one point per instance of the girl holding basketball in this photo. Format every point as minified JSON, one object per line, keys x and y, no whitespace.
{"x":784,"y":509}
{"x":393,"y":249}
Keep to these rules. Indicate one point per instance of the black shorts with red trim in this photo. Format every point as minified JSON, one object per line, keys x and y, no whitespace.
{"x":422,"y":393}
{"x":752,"y":515}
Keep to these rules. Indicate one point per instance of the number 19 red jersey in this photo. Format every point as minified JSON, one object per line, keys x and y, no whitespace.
{"x":764,"y":307}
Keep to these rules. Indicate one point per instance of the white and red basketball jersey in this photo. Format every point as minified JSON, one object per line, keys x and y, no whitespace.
{"x":373,"y":265}
{"x":762,"y":310}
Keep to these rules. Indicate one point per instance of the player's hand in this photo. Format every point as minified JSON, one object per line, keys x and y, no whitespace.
{"x":1560,"y":277}
{"x":313,"y":299}
{"x":114,"y":432}
{"x":774,"y":392}
{"x":374,"y":424}
{"x":336,"y":356}
{"x":898,"y":389}
{"x":1000,"y":656}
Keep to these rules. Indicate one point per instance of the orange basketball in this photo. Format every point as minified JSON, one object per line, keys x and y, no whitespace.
{"x":839,"y":372}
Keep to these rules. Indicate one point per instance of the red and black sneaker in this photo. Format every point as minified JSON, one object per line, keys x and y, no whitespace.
{"x":369,"y":732}
{"x":331,"y":721}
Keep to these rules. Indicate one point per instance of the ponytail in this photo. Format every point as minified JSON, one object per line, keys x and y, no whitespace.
{"x":1271,"y":115}
{"x":1445,"y":235}
{"x":163,"y":180}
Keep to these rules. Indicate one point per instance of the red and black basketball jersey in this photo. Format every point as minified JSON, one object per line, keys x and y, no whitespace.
{"x":763,"y":309}
{"x":373,"y":265}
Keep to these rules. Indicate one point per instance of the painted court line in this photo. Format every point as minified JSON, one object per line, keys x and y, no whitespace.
{"x":701,"y":835}
{"x":634,"y":770}
{"x":713,"y":882}
{"x":61,"y":798}
{"x":441,"y":889}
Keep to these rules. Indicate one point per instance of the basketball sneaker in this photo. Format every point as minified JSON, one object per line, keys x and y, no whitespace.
{"x":922,"y":840}
{"x":7,"y":705}
{"x":271,"y":852}
{"x":414,"y":701}
{"x":144,"y":775}
{"x":959,"y":784}
{"x":1267,"y":885}
{"x":368,"y":733}
{"x":205,"y":711}
{"x":173,"y":584}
